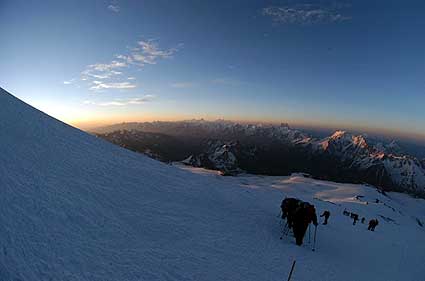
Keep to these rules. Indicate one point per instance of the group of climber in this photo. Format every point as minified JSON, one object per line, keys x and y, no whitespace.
{"x":300,"y":214}
{"x":372,"y":223}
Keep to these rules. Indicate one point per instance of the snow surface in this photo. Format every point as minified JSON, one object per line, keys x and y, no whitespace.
{"x":74,"y":207}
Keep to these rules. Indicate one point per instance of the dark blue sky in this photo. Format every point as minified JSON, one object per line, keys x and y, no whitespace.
{"x":357,"y":64}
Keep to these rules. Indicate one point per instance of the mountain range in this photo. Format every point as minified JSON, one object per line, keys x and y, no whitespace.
{"x":232,"y":148}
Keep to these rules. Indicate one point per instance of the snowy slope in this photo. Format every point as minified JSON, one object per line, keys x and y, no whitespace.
{"x":395,"y":251}
{"x":74,"y":207}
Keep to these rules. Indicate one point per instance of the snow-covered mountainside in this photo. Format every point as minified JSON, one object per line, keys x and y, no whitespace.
{"x":74,"y":207}
{"x":346,"y":252}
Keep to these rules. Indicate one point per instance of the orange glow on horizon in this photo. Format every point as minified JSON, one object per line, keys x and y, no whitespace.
{"x":89,"y":124}
{"x":89,"y":120}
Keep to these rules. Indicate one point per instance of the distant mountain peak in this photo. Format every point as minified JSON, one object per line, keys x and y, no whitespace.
{"x":339,"y":134}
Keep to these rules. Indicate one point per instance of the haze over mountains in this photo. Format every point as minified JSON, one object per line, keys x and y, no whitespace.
{"x":275,"y":150}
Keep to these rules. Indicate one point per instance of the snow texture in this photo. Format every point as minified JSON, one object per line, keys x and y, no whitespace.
{"x":74,"y":207}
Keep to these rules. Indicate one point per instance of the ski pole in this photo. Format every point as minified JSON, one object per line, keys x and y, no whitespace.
{"x":292,"y":269}
{"x":314,"y":242}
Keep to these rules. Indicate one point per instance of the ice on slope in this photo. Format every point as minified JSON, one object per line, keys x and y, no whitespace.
{"x":73,"y":207}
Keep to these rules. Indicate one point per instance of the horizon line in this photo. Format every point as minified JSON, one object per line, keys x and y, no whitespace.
{"x":303,"y":125}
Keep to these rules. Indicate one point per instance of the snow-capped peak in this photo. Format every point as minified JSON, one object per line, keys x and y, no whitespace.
{"x":339,"y":134}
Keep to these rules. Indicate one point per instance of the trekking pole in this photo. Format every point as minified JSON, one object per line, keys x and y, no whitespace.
{"x":287,"y":229}
{"x":292,"y":269}
{"x":309,"y":241}
{"x":314,"y":242}
{"x":280,"y":214}
{"x":284,"y":230}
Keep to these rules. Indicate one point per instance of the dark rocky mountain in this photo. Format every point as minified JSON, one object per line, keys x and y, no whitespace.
{"x":159,"y":146}
{"x":219,"y":155}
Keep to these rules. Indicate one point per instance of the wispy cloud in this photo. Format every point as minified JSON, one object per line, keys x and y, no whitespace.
{"x":98,"y":85}
{"x":101,"y":76}
{"x":148,"y":52}
{"x":304,"y":14}
{"x":103,"y":71}
{"x":123,"y":102}
{"x":114,"y":8}
{"x":68,"y":82}
{"x":183,"y":85}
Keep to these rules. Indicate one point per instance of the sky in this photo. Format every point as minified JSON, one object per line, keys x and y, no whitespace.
{"x":329,"y":64}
